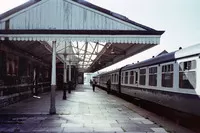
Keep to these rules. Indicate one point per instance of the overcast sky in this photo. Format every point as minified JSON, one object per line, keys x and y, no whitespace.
{"x":180,"y":19}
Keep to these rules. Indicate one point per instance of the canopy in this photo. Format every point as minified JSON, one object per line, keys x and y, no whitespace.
{"x":86,"y":35}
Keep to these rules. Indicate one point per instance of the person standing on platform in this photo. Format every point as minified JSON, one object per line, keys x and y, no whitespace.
{"x":94,"y":84}
{"x":91,"y":82}
{"x":108,"y":83}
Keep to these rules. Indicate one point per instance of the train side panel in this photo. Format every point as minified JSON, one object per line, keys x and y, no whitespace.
{"x":173,"y":88}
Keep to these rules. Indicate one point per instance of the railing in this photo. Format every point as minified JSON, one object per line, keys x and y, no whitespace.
{"x":16,"y":89}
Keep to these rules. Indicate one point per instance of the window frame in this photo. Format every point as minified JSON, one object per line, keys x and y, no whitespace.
{"x":166,"y":70}
{"x":131,"y":77}
{"x":141,"y":74}
{"x":126,"y":77}
{"x":186,"y":71}
{"x":154,"y":73}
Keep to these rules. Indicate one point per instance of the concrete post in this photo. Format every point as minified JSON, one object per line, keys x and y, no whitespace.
{"x":53,"y":80}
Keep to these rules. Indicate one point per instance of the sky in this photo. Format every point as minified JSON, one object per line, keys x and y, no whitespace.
{"x":178,"y":18}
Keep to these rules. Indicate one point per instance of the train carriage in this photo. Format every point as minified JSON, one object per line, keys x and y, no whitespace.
{"x":170,"y":79}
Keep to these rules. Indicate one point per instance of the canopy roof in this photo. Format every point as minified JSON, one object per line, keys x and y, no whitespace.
{"x":88,"y":36}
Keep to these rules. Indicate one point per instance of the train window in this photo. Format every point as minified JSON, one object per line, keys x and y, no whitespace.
{"x":126,"y":77}
{"x":112,"y":78}
{"x":167,"y":75}
{"x":117,"y":76}
{"x":187,"y":75}
{"x":188,"y":65}
{"x":142,"y":76}
{"x":131,"y":79}
{"x":136,"y":77}
{"x":153,"y":76}
{"x":122,"y":78}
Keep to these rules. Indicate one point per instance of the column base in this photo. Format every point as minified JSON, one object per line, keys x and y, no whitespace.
{"x":52,"y":110}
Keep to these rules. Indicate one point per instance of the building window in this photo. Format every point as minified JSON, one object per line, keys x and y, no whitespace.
{"x":187,"y":75}
{"x":153,"y":76}
{"x":47,"y":74}
{"x":12,"y":63}
{"x":131,"y":79}
{"x":142,"y":76}
{"x":9,"y":66}
{"x":1,"y":65}
{"x":167,"y":75}
{"x":16,"y":66}
{"x":126,"y":77}
{"x":29,"y":70}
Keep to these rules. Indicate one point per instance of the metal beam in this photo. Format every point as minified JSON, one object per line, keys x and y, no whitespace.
{"x":86,"y":47}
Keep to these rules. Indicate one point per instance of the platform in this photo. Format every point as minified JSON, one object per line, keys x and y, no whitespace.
{"x":83,"y":111}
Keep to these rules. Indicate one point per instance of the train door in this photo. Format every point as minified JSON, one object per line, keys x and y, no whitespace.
{"x":119,"y":80}
{"x":136,"y":78}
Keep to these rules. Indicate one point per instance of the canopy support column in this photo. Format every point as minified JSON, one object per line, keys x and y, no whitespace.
{"x":70,"y":84}
{"x":65,"y":75}
{"x":70,"y":71}
{"x":53,"y":80}
{"x":65,"y":72}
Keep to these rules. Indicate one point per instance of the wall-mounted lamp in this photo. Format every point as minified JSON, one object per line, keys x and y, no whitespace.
{"x":112,"y":51}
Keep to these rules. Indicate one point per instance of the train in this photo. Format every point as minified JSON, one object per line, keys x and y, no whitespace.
{"x":169,"y":79}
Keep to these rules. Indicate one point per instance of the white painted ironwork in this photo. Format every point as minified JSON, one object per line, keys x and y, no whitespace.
{"x":70,"y":15}
{"x":65,"y":66}
{"x":70,"y":71}
{"x":133,"y":39}
{"x":53,"y":80}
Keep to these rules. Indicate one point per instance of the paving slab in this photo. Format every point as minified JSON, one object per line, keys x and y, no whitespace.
{"x":84,"y":111}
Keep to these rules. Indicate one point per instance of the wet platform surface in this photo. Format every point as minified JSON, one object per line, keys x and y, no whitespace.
{"x":83,"y":111}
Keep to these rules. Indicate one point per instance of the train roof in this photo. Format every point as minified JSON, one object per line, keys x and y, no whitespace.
{"x":113,"y":71}
{"x":186,"y":52}
{"x":190,"y":51}
{"x":152,"y":61}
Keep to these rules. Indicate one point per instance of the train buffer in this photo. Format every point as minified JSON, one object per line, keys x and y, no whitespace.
{"x":83,"y":111}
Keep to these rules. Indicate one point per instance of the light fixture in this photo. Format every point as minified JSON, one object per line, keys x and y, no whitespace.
{"x":112,"y":51}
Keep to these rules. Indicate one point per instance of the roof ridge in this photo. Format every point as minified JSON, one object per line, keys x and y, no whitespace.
{"x":82,"y":2}
{"x":114,"y":14}
{"x":18,"y":8}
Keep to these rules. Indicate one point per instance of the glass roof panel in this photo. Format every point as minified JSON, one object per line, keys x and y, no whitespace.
{"x":81,"y":53}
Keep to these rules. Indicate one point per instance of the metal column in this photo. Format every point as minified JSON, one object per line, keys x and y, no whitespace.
{"x":53,"y":80}
{"x":65,"y":65}
{"x":70,"y":71}
{"x":65,"y":75}
{"x":65,"y":71}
